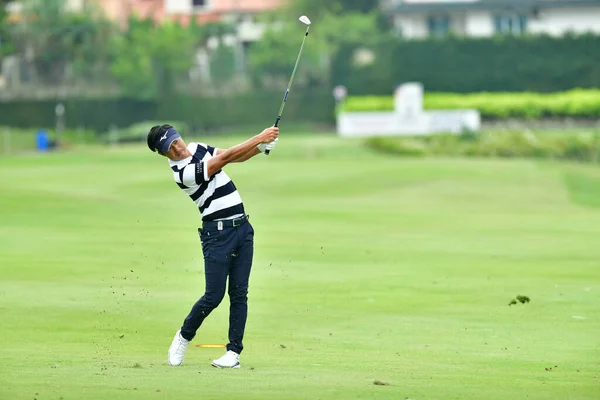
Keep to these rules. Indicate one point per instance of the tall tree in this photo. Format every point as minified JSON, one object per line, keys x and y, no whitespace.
{"x":273,"y":57}
{"x":223,"y":61}
{"x":316,"y":9}
{"x":319,"y":10}
{"x":92,"y":33}
{"x":54,"y":39}
{"x":5,"y":41}
{"x":149,"y":58}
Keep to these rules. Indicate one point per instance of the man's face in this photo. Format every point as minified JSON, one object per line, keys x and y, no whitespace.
{"x":177,"y":150}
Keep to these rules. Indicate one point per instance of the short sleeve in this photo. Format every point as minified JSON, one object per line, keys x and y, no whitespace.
{"x":192,"y":174}
{"x":201,"y":172}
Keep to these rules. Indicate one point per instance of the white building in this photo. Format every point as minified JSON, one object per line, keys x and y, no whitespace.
{"x":242,"y":13}
{"x":483,"y":18}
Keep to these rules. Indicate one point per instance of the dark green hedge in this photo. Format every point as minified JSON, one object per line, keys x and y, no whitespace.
{"x":199,"y":113}
{"x":257,"y":107}
{"x":92,"y":114}
{"x":465,"y":65}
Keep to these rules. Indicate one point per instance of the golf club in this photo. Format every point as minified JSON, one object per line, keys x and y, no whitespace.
{"x":304,"y":19}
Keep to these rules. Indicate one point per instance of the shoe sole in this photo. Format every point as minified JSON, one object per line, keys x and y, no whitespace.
{"x":221,"y":367}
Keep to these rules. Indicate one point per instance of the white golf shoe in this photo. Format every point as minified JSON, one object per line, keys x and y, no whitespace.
{"x":231,"y":359}
{"x":177,"y":349}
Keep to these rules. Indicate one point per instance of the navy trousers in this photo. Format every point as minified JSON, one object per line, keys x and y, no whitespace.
{"x":227,"y":254}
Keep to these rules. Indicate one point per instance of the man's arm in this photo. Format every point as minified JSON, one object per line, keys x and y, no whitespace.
{"x":244,"y":157}
{"x":197,"y":173}
{"x":260,"y":149}
{"x":241,"y":150}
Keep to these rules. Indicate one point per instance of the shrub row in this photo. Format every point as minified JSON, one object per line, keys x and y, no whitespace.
{"x":198,"y":113}
{"x":577,"y":103}
{"x":581,"y":147}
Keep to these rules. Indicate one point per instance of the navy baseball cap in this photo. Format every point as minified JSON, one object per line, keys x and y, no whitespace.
{"x":163,"y":142}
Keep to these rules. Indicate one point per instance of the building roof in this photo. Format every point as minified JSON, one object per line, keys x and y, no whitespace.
{"x":226,"y":6}
{"x":120,"y":10}
{"x":416,"y":6}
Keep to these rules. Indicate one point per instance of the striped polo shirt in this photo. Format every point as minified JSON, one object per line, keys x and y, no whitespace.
{"x":216,"y":196}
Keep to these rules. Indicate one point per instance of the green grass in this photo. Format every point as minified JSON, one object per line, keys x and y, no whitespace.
{"x":366,"y":268}
{"x":584,"y":187}
{"x":24,"y":140}
{"x":18,"y":140}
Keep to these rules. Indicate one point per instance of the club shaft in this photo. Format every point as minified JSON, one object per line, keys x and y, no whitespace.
{"x":287,"y":92}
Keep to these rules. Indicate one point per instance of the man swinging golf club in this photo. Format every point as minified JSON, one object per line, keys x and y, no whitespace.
{"x":226,"y":235}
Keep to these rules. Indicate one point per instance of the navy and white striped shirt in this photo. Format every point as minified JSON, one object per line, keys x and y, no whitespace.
{"x":216,"y":196}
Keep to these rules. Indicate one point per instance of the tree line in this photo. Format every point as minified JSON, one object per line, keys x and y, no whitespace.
{"x":146,"y":59}
{"x":350,"y":43}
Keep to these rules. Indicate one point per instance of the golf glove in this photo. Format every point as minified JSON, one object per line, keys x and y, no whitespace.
{"x":267,"y":146}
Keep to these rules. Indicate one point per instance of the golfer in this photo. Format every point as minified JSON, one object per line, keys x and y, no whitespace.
{"x":226,"y":235}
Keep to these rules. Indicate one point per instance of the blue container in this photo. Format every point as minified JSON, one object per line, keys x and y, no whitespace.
{"x":43,"y":144}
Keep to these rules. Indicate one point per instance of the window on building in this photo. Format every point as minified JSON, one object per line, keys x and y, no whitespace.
{"x":199,"y":3}
{"x":507,"y":24}
{"x":438,"y":26}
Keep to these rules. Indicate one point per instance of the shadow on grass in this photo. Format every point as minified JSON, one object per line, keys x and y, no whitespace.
{"x":584,"y":190}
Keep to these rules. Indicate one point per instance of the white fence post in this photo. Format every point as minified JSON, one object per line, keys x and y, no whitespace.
{"x":114,"y":135}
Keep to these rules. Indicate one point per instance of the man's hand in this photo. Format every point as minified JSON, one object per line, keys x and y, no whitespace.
{"x":240,"y":152}
{"x":271,"y":145}
{"x":269,"y":135}
{"x":268,"y":139}
{"x":267,"y":146}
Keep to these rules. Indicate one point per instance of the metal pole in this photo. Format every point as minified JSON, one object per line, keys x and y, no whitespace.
{"x":60,"y":123}
{"x":114,"y":136}
{"x":7,"y":140}
{"x":79,"y":135}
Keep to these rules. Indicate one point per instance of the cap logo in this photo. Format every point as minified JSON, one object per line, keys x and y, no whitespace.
{"x":163,"y":137}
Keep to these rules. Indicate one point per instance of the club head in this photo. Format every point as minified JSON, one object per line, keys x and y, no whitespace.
{"x":304,"y":19}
